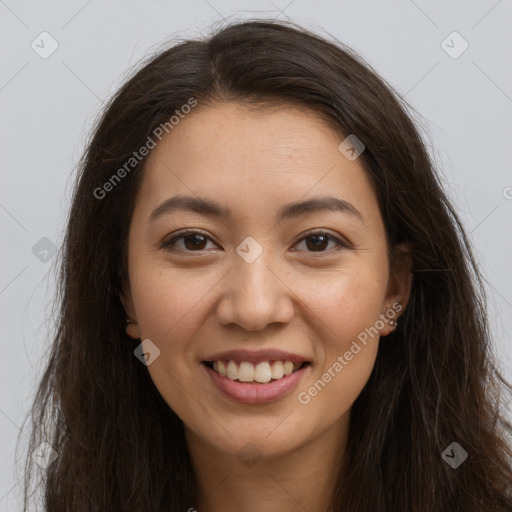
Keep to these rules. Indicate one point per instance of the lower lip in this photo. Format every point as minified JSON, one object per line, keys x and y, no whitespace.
{"x":257,"y":393}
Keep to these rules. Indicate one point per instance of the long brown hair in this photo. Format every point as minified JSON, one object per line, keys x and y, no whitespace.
{"x":121,"y":447}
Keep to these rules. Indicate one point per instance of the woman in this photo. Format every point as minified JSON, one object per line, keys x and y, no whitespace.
{"x":267,"y":301}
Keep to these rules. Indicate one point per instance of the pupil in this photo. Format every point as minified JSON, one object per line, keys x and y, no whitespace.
{"x":196,"y":244}
{"x":321,"y":244}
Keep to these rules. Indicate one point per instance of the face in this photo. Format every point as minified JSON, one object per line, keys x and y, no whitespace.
{"x":257,"y":279}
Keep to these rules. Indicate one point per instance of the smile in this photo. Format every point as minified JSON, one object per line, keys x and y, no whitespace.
{"x":250,"y":383}
{"x":262,"y":372}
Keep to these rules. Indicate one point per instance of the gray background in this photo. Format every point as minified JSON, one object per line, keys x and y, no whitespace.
{"x":48,"y":106}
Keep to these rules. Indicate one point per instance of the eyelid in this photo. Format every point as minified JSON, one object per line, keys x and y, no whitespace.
{"x":343,"y":241}
{"x":340,"y":240}
{"x":166,"y":243}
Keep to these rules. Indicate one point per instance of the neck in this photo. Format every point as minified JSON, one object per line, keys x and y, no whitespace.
{"x":303,"y":479}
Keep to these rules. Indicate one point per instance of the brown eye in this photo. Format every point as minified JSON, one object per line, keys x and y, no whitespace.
{"x":318,"y":242}
{"x":191,"y":241}
{"x":195,"y":241}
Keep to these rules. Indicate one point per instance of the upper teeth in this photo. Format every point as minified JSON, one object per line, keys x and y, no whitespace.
{"x":261,"y":372}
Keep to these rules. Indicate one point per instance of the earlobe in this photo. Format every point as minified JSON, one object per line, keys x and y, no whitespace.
{"x":399,"y":288}
{"x":132,"y":329}
{"x":400,"y":282}
{"x":389,"y":319}
{"x":131,"y":325}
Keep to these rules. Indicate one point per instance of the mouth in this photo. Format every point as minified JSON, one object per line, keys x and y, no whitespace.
{"x":258,"y":382}
{"x":259,"y":373}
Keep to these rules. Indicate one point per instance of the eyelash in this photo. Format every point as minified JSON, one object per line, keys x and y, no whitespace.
{"x":168,"y":244}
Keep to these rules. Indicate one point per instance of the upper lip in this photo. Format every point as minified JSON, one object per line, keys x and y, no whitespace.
{"x":257,"y":356}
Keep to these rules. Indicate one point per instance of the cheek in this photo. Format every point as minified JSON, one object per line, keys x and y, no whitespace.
{"x":170,"y":310}
{"x":348,"y":304}
{"x":346,"y":348}
{"x":169,"y":302}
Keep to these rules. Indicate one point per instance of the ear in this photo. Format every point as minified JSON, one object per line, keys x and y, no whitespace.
{"x":399,"y":287}
{"x":132,"y":328}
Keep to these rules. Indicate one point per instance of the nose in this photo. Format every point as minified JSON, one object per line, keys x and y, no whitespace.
{"x":255,"y":295}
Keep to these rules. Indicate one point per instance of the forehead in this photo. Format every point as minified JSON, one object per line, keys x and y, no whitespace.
{"x":232,"y":131}
{"x":227,"y":151}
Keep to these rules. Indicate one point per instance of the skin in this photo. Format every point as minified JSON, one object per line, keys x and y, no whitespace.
{"x":194,"y":302}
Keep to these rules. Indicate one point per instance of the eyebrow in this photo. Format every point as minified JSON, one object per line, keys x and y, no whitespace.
{"x":212,"y":209}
